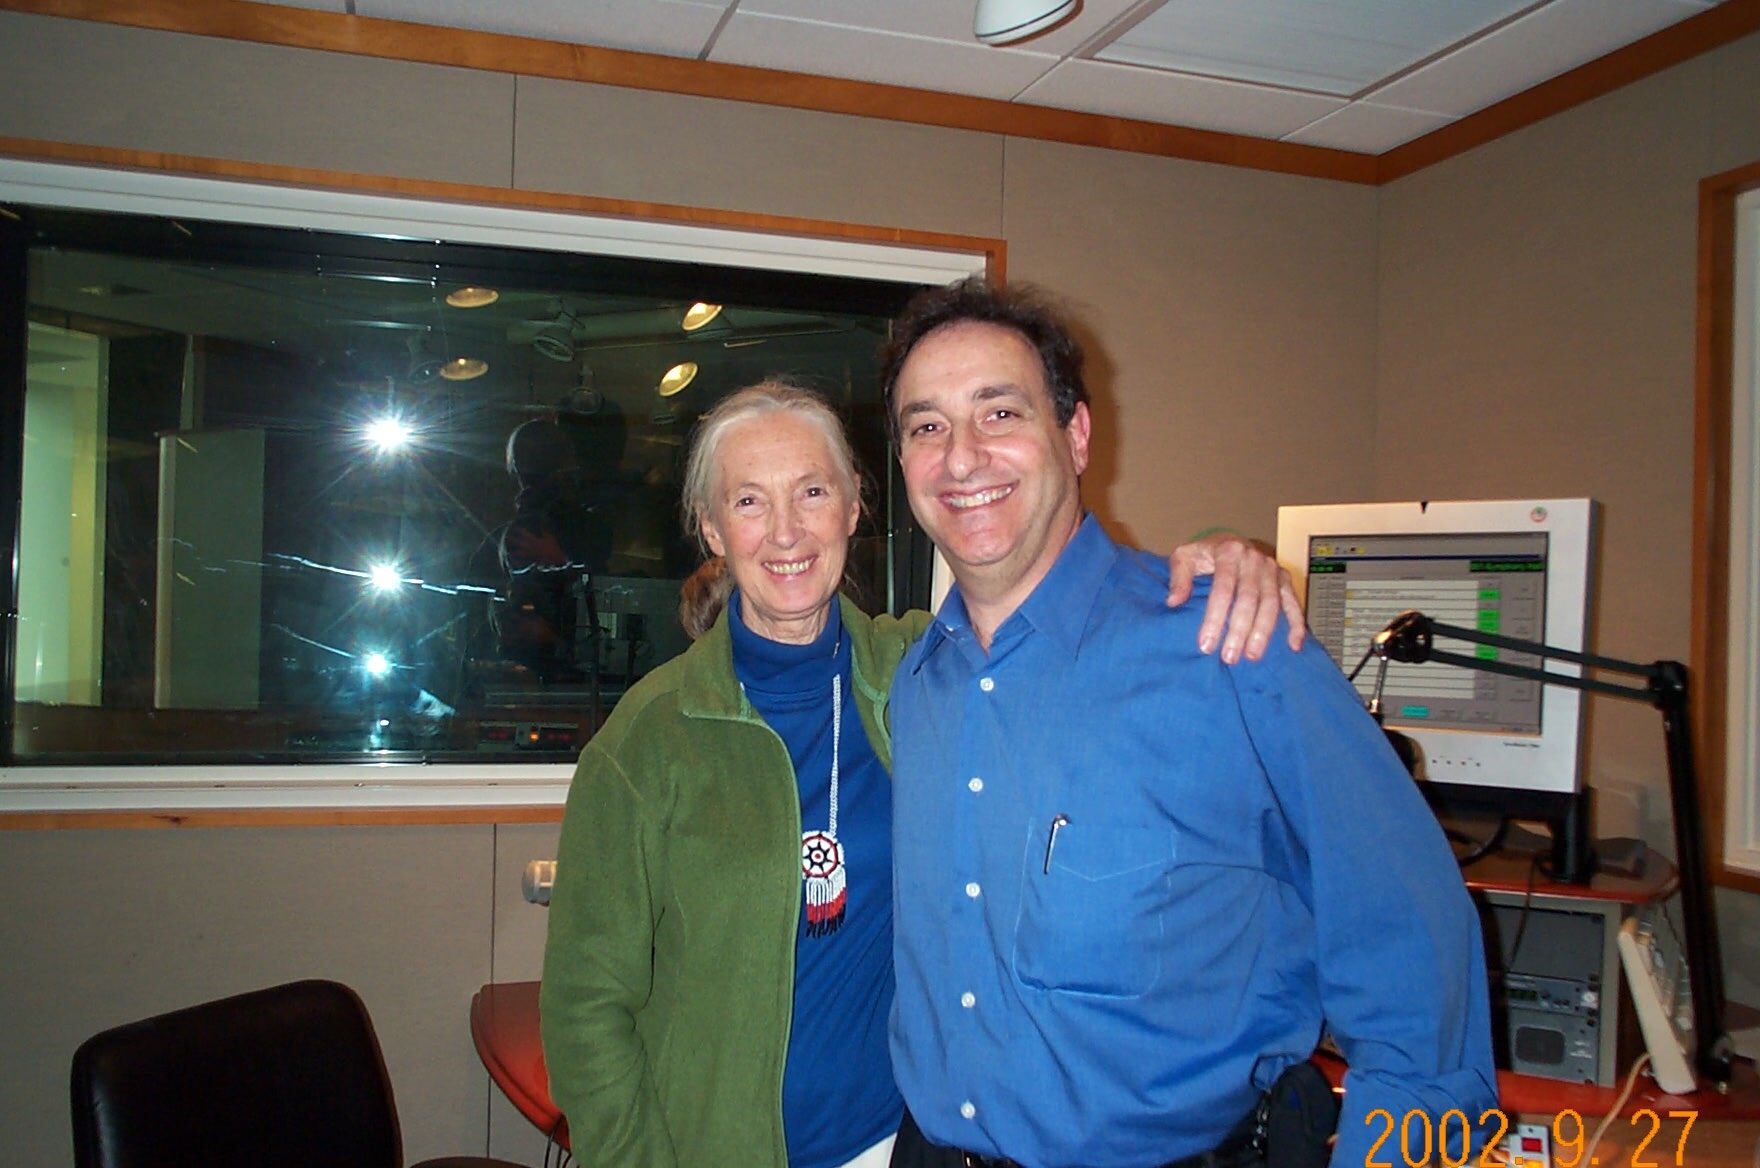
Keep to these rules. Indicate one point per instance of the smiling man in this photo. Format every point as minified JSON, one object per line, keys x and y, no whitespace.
{"x":1133,"y":886}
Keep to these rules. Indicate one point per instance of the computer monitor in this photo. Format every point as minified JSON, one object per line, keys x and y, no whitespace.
{"x":1516,"y":567}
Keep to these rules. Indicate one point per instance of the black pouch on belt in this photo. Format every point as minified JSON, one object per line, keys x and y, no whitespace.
{"x":1300,"y":1113}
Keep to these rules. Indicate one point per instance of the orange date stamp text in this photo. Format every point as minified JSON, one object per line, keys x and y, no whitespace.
{"x":1418,"y":1140}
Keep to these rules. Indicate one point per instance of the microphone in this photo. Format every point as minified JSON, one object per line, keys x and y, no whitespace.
{"x":1400,"y":638}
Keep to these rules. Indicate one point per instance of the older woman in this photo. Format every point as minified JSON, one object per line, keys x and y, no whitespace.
{"x":718,"y":974}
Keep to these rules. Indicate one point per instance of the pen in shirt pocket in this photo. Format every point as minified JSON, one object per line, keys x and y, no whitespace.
{"x":1058,"y":823}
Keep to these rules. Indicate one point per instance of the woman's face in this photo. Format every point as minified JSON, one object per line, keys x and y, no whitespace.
{"x":782,"y":516}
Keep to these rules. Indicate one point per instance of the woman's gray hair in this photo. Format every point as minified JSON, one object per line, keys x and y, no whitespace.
{"x":771,"y":396}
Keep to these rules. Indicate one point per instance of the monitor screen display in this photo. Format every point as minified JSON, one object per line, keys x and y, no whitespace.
{"x":1516,"y":568}
{"x":1492,"y":582}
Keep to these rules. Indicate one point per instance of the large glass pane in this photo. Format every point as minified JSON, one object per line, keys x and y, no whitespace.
{"x":297,"y":495}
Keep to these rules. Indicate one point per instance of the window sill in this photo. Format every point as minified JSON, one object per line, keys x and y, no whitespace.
{"x":172,"y":796}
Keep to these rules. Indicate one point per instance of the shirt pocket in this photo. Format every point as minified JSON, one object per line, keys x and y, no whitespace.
{"x":1093,"y":923}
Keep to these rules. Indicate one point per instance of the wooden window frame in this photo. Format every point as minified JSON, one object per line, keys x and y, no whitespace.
{"x":1713,"y":507}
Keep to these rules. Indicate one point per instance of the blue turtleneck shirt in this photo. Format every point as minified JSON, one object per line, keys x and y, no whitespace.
{"x":838,"y":1095}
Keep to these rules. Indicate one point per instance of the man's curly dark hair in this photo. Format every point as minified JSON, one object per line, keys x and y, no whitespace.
{"x":1019,"y":308}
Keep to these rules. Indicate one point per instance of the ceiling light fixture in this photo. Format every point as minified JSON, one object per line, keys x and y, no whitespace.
{"x":471,"y":296}
{"x":677,"y":378}
{"x":1003,"y":22}
{"x":698,"y":315}
{"x":464,"y":368}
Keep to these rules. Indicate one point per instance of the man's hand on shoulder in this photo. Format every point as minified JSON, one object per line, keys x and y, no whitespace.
{"x":1248,"y":589}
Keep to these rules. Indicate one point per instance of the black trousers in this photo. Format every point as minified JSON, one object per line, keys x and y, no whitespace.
{"x":913,"y":1149}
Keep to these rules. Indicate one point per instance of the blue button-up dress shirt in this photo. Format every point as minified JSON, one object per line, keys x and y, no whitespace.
{"x":1133,"y":885}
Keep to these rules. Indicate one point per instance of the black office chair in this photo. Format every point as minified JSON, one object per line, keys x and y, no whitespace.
{"x":287,"y":1077}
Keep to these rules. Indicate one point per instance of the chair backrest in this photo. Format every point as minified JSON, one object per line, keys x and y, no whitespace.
{"x":290,"y":1075}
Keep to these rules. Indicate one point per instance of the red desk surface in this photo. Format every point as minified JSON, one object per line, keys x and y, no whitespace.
{"x":504,"y":1026}
{"x":1533,"y":1095}
{"x":1513,"y":871}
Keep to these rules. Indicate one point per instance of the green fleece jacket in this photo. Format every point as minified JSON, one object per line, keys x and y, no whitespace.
{"x":669,"y":971}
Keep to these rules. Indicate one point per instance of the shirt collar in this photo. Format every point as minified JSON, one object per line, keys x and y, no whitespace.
{"x":950,"y":623}
{"x":1058,"y":607}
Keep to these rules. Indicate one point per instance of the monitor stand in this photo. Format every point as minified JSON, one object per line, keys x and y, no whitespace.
{"x":1567,"y":813}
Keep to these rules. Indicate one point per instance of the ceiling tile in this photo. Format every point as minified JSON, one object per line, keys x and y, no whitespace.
{"x":943,"y":20}
{"x":937,"y":19}
{"x":1279,"y":69}
{"x":832,"y":50}
{"x":1200,"y":102}
{"x":1328,"y":46}
{"x":1368,"y":128}
{"x":677,"y":28}
{"x":1550,"y":41}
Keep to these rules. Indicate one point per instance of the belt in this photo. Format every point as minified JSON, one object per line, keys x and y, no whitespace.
{"x":1244,"y":1144}
{"x":1233,"y":1151}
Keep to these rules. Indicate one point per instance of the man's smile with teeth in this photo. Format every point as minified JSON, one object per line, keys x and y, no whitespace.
{"x":962,"y":502}
{"x":790,"y":567}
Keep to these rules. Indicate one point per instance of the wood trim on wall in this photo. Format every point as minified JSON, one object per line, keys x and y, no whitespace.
{"x":270,"y":24}
{"x":994,"y":251}
{"x":1711,"y":486}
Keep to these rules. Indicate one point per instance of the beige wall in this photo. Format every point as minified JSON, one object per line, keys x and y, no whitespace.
{"x":1258,"y":339}
{"x":1230,"y":321}
{"x":1537,"y":301}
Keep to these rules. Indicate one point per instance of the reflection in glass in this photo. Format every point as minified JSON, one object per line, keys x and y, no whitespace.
{"x":262,"y":519}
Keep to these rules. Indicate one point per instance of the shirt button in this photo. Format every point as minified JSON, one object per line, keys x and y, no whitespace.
{"x":968,"y":1109}
{"x":972,"y":890}
{"x":976,"y":784}
{"x":968,"y":999}
{"x":985,"y":684}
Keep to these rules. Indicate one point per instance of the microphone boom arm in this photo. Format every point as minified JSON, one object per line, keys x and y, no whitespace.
{"x":1410,"y":638}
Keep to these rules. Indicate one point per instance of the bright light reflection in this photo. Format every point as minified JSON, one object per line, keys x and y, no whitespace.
{"x":376,"y":664}
{"x":385,"y":577}
{"x":388,"y":435}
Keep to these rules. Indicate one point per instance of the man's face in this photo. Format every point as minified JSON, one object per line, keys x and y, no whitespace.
{"x":991,"y":475}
